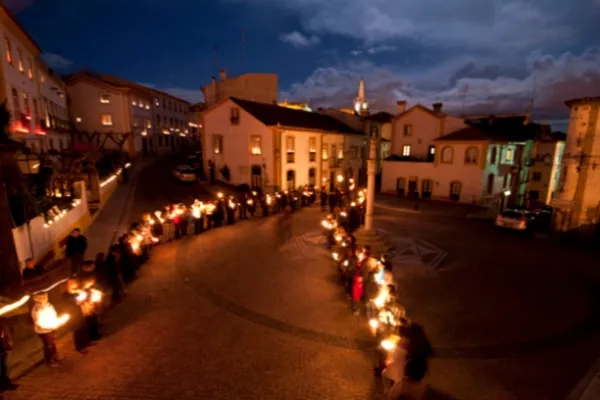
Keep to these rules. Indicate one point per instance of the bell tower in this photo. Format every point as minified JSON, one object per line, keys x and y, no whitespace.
{"x":361,"y":105}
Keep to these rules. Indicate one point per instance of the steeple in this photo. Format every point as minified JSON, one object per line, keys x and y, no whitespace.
{"x":361,"y":105}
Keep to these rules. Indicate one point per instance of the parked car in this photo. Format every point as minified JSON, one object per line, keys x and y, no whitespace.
{"x":184,"y":173}
{"x":519,"y":220}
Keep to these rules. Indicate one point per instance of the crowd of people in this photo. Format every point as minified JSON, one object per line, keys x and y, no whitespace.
{"x":110,"y":274}
{"x":403,"y":349}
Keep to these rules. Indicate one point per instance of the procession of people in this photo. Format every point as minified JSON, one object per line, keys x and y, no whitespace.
{"x":403,"y":350}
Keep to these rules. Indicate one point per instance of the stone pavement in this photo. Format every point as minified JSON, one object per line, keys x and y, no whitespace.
{"x":425,"y":206}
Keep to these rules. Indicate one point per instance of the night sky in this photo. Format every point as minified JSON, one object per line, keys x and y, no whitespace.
{"x":483,"y":56}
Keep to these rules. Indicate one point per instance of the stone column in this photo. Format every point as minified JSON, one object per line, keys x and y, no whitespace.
{"x":371,"y":184}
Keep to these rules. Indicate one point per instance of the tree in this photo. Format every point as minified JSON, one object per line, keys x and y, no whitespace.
{"x":10,"y":271}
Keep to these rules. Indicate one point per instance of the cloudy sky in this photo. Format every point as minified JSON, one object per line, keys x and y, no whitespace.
{"x":475,"y":56}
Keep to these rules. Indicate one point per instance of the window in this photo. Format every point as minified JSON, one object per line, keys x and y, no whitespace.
{"x":35,"y":107}
{"x":290,"y":146}
{"x":156,"y":103}
{"x":408,"y":128}
{"x":406,"y":150}
{"x":29,"y":69}
{"x":312,"y":149}
{"x":312,"y":176}
{"x":105,"y":99}
{"x":149,"y":124}
{"x":494,"y":155}
{"x":16,"y":102}
{"x":455,"y":188}
{"x":447,"y":155}
{"x":255,"y":145}
{"x":133,"y":103}
{"x":341,"y":152}
{"x":42,"y":79}
{"x":534,"y":195}
{"x":505,"y":184}
{"x":106,"y":120}
{"x":235,"y":116}
{"x":171,"y":123}
{"x":20,"y":60}
{"x":471,"y":155}
{"x":217,"y":144}
{"x":165,"y":121}
{"x":164,"y":104}
{"x":536,"y":176}
{"x":508,"y":155}
{"x":334,"y":152}
{"x":160,"y":140}
{"x":291,"y":179}
{"x":374,"y":131}
{"x":8,"y":50}
{"x":324,"y":152}
{"x":26,"y":104}
{"x":354,"y":152}
{"x":136,"y":121}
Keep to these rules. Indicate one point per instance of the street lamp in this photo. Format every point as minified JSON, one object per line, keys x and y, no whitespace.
{"x":340,"y":179}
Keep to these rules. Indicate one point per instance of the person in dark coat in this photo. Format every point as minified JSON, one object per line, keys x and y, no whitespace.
{"x":75,"y":249}
{"x":127,"y":260}
{"x":185,"y":218}
{"x":230,"y":210}
{"x":219,"y":215}
{"x":332,"y":202}
{"x":278,"y":202}
{"x":113,"y":273}
{"x":353,"y":217}
{"x":265,"y":206}
{"x":323,"y":199}
{"x":243,"y":205}
{"x":78,"y":309}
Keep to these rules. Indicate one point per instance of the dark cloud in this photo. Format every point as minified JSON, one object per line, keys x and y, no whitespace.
{"x":17,"y":6}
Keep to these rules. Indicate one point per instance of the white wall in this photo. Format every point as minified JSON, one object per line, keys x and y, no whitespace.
{"x":301,"y":164}
{"x":44,"y":237}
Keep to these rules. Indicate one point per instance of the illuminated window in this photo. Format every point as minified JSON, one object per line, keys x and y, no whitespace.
{"x":136,"y":121}
{"x":508,"y":155}
{"x":106,"y":119}
{"x":42,"y":79}
{"x":312,"y":149}
{"x":156,"y":102}
{"x":255,"y":145}
{"x":8,"y":50}
{"x":471,"y":155}
{"x":408,"y":128}
{"x":406,"y":150}
{"x":104,"y":99}
{"x":217,"y":144}
{"x":133,"y":103}
{"x":324,"y":152}
{"x":341,"y":152}
{"x":291,"y":180}
{"x":447,"y":155}
{"x":290,"y":146}
{"x":20,"y":60}
{"x":29,"y":69}
{"x":149,"y":124}
{"x":147,"y":106}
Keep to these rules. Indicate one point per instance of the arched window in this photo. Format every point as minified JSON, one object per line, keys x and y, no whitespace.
{"x":291,"y":179}
{"x":447,"y":155}
{"x":493,"y":155}
{"x":471,"y":155}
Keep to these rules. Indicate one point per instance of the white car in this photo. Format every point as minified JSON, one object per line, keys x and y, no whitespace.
{"x":184,"y":173}
{"x":518,"y":220}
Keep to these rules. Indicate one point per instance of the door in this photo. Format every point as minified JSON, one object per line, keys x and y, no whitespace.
{"x":312,"y":176}
{"x":400,"y":183}
{"x":426,"y":188}
{"x":256,"y":177}
{"x":412,"y":188}
{"x":145,"y":146}
{"x":291,"y":180}
{"x":455,"y":188}
{"x":331,"y":181}
{"x":431,"y":153}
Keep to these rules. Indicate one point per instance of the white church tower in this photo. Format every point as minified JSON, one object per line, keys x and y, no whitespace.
{"x":361,"y":105}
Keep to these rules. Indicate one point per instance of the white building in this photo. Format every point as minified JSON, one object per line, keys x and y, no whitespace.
{"x":578,"y":201}
{"x":266,"y":145}
{"x":53,"y":108}
{"x":168,"y":128}
{"x":544,"y":174}
{"x":19,"y":83}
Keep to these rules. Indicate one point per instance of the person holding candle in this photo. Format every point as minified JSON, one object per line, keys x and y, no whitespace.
{"x":78,"y":298}
{"x":45,"y":324}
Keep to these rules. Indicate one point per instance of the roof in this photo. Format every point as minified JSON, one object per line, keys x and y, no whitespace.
{"x":507,"y":130}
{"x":93,"y":78}
{"x":16,"y":22}
{"x":381,"y":117}
{"x":136,"y":86}
{"x":582,"y":100}
{"x":420,"y":107}
{"x":273,"y":115}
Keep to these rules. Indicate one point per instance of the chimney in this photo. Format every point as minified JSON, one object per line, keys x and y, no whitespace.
{"x":401,"y":106}
{"x":213,"y":90}
{"x":437,"y":108}
{"x":223,"y":75}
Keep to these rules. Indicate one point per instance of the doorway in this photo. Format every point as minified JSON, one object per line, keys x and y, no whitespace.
{"x":455,"y":188}
{"x":312,"y":176}
{"x":145,"y":146}
{"x":400,"y":184}
{"x":256,"y":177}
{"x":426,"y":187}
{"x":412,"y":187}
{"x":291,"y":180}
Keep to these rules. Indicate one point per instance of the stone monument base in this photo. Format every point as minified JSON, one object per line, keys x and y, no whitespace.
{"x":379,"y":243}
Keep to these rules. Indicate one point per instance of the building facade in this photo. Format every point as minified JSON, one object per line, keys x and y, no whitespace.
{"x":577,"y":204}
{"x":544,"y":174}
{"x":262,"y":88}
{"x":268,"y":146}
{"x":19,"y":83}
{"x":53,"y":109}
